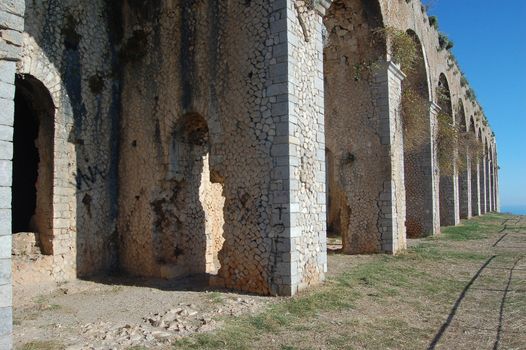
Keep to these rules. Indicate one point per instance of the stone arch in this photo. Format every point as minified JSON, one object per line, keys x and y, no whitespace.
{"x":62,"y":242}
{"x":493,"y":181}
{"x":188,"y":227}
{"x":488,"y":170}
{"x":33,"y":145}
{"x":417,"y":145}
{"x":482,"y":170}
{"x":474,"y":154}
{"x":352,"y":51}
{"x":447,"y":155}
{"x":463,"y":163}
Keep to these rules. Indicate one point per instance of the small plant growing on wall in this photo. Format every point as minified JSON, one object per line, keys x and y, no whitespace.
{"x":468,"y":141}
{"x":443,"y":95}
{"x":433,"y":22}
{"x":415,"y":112}
{"x":444,"y":42}
{"x":447,"y":142}
{"x":463,"y":81}
{"x":403,"y":47}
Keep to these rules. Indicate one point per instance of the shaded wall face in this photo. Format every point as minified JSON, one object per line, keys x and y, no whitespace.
{"x":351,"y":123}
{"x":446,"y":158}
{"x":32,"y":188}
{"x":67,"y":46}
{"x":212,"y":59}
{"x":475,"y":196}
{"x":417,"y":149}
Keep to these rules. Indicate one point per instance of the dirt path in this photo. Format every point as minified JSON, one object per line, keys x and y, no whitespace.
{"x":463,"y":290}
{"x":122,"y":313}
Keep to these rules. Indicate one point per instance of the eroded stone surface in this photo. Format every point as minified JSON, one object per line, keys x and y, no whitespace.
{"x":224,"y":138}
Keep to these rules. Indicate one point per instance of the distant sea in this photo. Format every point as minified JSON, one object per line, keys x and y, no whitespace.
{"x":514,"y":209}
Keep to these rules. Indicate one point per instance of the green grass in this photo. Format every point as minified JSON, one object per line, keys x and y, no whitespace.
{"x":215,"y":297}
{"x":378,"y":280}
{"x":431,"y":274}
{"x":468,"y":230}
{"x":43,"y":345}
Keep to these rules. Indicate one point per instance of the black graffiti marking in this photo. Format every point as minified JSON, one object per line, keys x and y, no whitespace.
{"x":87,"y":178}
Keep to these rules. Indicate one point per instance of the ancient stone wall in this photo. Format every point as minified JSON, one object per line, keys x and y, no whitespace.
{"x":411,"y":15}
{"x":352,"y":124}
{"x":228,"y":64}
{"x":209,"y":137}
{"x":67,"y":47}
{"x":418,"y":147}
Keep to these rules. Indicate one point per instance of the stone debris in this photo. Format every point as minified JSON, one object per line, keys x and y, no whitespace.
{"x":161,"y":328}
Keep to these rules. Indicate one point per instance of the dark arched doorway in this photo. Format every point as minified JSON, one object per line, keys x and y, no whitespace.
{"x":32,"y":191}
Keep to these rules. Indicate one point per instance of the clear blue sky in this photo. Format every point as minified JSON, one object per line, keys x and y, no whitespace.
{"x":490,"y":45}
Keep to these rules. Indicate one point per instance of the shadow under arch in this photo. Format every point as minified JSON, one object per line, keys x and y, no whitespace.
{"x":356,"y":167}
{"x":482,"y":171}
{"x":446,"y":149}
{"x":474,"y":154}
{"x":487,"y":158}
{"x":33,"y":145}
{"x":463,"y":163}
{"x":418,"y":159}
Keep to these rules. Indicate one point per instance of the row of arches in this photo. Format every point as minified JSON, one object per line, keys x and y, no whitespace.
{"x":446,"y":157}
{"x":371,"y":123}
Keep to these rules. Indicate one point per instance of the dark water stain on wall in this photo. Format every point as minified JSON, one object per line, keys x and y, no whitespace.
{"x":188,"y":32}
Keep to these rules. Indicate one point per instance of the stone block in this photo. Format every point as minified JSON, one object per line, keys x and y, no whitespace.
{"x":7,"y":72}
{"x":6,"y":341}
{"x":6,"y":171}
{"x":5,"y":271}
{"x":5,"y":246}
{"x":5,"y":197}
{"x":6,"y":295}
{"x":11,"y":20}
{"x":5,"y":222}
{"x":6,"y":321}
{"x":7,"y":111}
{"x":7,"y":91}
{"x":12,"y":37}
{"x":6,"y":133}
{"x":9,"y":51}
{"x":16,"y":7}
{"x":277,"y":89}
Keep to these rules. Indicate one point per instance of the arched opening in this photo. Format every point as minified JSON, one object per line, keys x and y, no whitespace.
{"x":446,"y":150}
{"x":489,"y":202}
{"x":354,"y":163}
{"x":492,"y":180}
{"x":32,"y":189}
{"x":334,"y":206}
{"x":417,"y":145}
{"x":188,"y":231}
{"x":463,"y":164}
{"x":474,"y":153}
{"x":482,"y":173}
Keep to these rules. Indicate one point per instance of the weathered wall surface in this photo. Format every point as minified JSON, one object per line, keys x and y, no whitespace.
{"x":67,"y":46}
{"x":307,"y":168}
{"x":227,"y":63}
{"x":361,"y":162}
{"x":213,"y":158}
{"x":404,"y":16}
